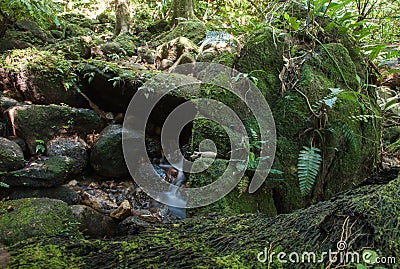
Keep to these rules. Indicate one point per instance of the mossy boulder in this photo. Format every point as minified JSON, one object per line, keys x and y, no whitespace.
{"x":40,"y":77}
{"x":238,"y":200}
{"x":194,"y":30}
{"x":325,"y":108}
{"x":43,"y":172}
{"x":11,"y":155}
{"x":44,"y":123}
{"x":34,"y":217}
{"x":302,"y":113}
{"x":107,"y":158}
{"x":110,"y":86}
{"x":14,"y":40}
{"x":74,"y":148}
{"x":75,"y":48}
{"x":33,"y":27}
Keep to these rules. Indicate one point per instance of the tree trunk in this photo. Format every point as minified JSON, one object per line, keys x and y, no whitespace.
{"x":353,"y":221}
{"x":182,"y":9}
{"x":122,"y":17}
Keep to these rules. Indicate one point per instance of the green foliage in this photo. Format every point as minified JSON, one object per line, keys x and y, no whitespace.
{"x":41,"y":11}
{"x":309,"y":162}
{"x":40,"y":147}
{"x":4,"y":185}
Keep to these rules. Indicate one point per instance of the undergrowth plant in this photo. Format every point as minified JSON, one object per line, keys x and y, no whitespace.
{"x":41,"y":11}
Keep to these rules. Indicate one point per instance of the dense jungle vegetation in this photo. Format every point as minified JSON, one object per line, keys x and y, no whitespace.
{"x":322,"y":132}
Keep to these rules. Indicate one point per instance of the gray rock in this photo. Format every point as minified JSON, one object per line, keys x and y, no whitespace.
{"x":107,"y":158}
{"x":93,"y":223}
{"x":6,"y":102}
{"x":37,"y":122}
{"x":74,"y":148}
{"x":34,"y":217}
{"x":11,"y":155}
{"x":60,"y":193}
{"x":43,"y":172}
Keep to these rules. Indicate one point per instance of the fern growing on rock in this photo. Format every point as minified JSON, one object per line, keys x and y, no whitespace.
{"x":308,"y":165}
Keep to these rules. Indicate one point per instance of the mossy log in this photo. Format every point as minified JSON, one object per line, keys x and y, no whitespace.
{"x":365,"y":218}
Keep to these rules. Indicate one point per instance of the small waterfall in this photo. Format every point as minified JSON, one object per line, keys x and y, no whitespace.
{"x":174,"y":172}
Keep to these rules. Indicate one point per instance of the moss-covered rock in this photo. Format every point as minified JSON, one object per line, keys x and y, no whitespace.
{"x":34,"y":217}
{"x":325,"y":108}
{"x":107,"y":158}
{"x":40,"y":77}
{"x":74,"y":148}
{"x":35,"y":122}
{"x":44,"y":172}
{"x":238,"y":200}
{"x":110,"y":86}
{"x":194,"y":30}
{"x":11,"y":155}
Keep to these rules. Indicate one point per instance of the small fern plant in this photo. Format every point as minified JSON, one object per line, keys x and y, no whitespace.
{"x":309,"y":162}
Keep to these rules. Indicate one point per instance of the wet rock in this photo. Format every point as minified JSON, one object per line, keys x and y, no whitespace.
{"x":153,"y":146}
{"x":33,"y":217}
{"x":107,"y":158}
{"x":172,"y":50}
{"x":124,"y":210}
{"x":60,"y":193}
{"x":37,"y":122}
{"x":74,"y":148}
{"x":43,"y":172}
{"x":133,"y":225}
{"x":11,"y":155}
{"x":93,"y":223}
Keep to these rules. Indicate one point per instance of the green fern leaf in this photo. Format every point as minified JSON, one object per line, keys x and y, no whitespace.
{"x":4,"y":185}
{"x":349,"y":135}
{"x":308,"y":165}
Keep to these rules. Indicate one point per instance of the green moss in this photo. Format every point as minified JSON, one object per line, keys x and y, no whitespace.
{"x":33,"y":217}
{"x":194,"y":30}
{"x":220,"y":241}
{"x":238,"y":200}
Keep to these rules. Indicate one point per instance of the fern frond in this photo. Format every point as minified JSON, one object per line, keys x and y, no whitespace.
{"x":349,"y":136}
{"x":4,"y":185}
{"x":308,"y":165}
